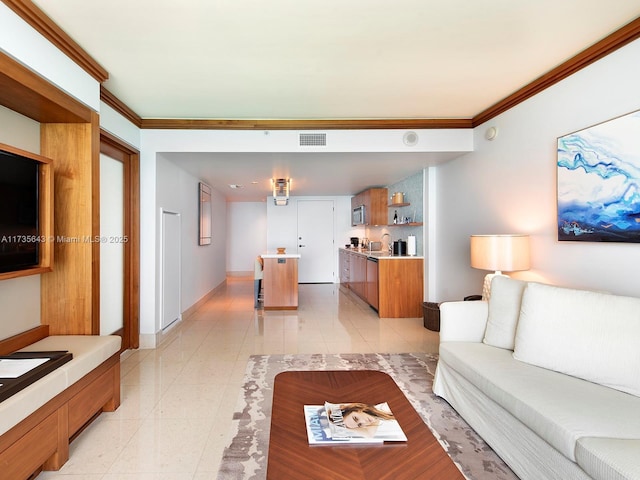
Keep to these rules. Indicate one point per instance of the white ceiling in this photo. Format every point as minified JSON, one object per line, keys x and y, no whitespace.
{"x":328,"y":59}
{"x":312,"y":174}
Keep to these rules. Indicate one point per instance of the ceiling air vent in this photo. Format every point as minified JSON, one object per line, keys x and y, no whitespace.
{"x":313,"y":139}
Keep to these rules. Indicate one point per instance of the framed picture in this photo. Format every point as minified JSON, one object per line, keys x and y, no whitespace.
{"x":204,"y":192}
{"x":599,"y":182}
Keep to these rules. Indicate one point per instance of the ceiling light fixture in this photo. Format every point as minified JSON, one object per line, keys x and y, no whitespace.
{"x":281,"y":188}
{"x":234,"y":185}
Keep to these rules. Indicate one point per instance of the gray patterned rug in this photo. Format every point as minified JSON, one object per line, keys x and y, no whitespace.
{"x":245,"y":457}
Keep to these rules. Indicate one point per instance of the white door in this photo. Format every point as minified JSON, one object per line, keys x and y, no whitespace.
{"x":315,"y":241}
{"x":170,"y":273}
{"x":111,"y":245}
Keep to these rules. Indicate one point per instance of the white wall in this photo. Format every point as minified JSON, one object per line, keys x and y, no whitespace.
{"x":114,"y":123}
{"x":203,"y":266}
{"x":509,"y":185}
{"x":247,"y":234}
{"x":282,"y":225}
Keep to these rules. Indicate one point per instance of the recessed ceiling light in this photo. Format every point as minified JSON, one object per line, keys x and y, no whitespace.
{"x":234,"y":185}
{"x":255,"y":182}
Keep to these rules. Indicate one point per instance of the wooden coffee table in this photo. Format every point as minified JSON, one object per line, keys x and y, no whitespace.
{"x":291,"y":456}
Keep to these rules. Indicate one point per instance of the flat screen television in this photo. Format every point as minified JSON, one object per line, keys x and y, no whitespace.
{"x":20,"y":239}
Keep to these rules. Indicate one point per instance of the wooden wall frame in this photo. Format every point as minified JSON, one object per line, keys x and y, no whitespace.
{"x":45,"y":200}
{"x":130,"y":157}
{"x":69,"y":135}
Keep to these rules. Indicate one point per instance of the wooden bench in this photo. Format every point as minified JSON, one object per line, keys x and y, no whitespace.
{"x":38,"y":423}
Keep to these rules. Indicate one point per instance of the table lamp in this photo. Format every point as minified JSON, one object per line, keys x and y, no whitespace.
{"x":499,"y":252}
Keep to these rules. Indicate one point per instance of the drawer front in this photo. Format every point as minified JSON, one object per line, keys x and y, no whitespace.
{"x":32,"y":450}
{"x":89,"y":401}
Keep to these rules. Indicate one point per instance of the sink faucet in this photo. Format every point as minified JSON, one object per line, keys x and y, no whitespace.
{"x":390,"y":240}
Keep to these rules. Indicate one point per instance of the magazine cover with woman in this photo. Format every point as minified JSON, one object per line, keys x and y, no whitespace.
{"x":335,"y":423}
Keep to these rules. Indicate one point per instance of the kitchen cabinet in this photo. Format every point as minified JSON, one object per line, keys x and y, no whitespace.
{"x":391,"y":285}
{"x":400,"y":287}
{"x":280,"y":281}
{"x":375,"y":205}
{"x":358,"y":274}
{"x":344,"y":263}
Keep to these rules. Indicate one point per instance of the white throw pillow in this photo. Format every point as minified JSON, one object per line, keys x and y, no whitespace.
{"x":589,"y":335}
{"x":504,"y":309}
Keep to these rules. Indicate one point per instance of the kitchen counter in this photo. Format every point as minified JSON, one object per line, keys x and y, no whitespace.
{"x":280,"y":281}
{"x":391,"y":284}
{"x":380,"y":255}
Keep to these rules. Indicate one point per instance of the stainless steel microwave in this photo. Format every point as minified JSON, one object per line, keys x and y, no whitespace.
{"x":358,"y":215}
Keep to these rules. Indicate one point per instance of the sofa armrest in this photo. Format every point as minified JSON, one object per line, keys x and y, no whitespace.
{"x":463,"y":321}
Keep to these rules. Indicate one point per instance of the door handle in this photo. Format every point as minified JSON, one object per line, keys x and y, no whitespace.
{"x":302,"y":245}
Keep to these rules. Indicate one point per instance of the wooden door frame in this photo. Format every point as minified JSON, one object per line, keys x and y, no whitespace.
{"x":130,"y":158}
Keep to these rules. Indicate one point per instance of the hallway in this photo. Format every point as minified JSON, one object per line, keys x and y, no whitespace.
{"x":178,"y":400}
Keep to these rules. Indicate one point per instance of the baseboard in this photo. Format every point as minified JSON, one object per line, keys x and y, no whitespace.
{"x":196,"y":306}
{"x":239,"y":273}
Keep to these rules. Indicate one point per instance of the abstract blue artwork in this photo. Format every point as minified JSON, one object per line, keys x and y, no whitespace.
{"x":599,"y":182}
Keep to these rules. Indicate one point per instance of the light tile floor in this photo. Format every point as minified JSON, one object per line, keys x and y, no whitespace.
{"x":178,"y":399}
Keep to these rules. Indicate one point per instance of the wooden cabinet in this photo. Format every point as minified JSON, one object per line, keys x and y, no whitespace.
{"x":375,"y":205}
{"x":394,"y":287}
{"x":400,"y":285}
{"x":344,"y":263}
{"x":358,"y":274}
{"x":280,"y":280}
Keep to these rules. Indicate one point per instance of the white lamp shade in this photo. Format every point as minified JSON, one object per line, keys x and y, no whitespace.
{"x":507,"y":253}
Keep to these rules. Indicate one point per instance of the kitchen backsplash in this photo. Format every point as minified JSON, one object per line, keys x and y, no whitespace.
{"x":413,"y":189}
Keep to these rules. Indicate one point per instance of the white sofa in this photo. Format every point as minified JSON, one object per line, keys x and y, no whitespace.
{"x":548,"y":376}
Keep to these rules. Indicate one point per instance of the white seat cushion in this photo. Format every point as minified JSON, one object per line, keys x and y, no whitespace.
{"x":585,"y":334}
{"x":559,"y":408}
{"x":88,"y":351}
{"x":19,"y":406}
{"x":609,"y":458}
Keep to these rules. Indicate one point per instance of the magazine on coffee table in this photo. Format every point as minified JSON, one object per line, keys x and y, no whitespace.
{"x":351,"y":422}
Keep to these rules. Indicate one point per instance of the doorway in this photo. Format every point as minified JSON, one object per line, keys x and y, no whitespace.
{"x":170,"y":268}
{"x":315,"y":241}
{"x":117,"y":292}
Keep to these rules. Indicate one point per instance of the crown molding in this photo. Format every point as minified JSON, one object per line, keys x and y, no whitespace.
{"x":114,"y":102}
{"x":35,"y":17}
{"x":604,"y":47}
{"x":304,"y":124}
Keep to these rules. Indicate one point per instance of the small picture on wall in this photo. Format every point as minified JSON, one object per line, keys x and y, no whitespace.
{"x":599,"y":182}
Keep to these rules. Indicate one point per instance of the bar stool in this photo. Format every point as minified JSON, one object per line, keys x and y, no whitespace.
{"x":257,"y":281}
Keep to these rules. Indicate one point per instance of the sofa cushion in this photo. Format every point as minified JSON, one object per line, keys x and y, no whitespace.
{"x":504,"y":309}
{"x":88,"y":351}
{"x":609,"y":458}
{"x":585,"y":334}
{"x":557,"y":407}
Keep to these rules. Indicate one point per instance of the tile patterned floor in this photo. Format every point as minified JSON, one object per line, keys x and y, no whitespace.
{"x":178,"y":399}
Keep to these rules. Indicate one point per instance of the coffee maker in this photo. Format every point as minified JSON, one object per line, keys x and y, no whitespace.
{"x":355,"y":241}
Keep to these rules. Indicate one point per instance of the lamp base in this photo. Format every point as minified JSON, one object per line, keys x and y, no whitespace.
{"x":486,"y":286}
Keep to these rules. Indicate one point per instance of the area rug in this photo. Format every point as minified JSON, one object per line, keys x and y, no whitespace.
{"x":245,"y":457}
